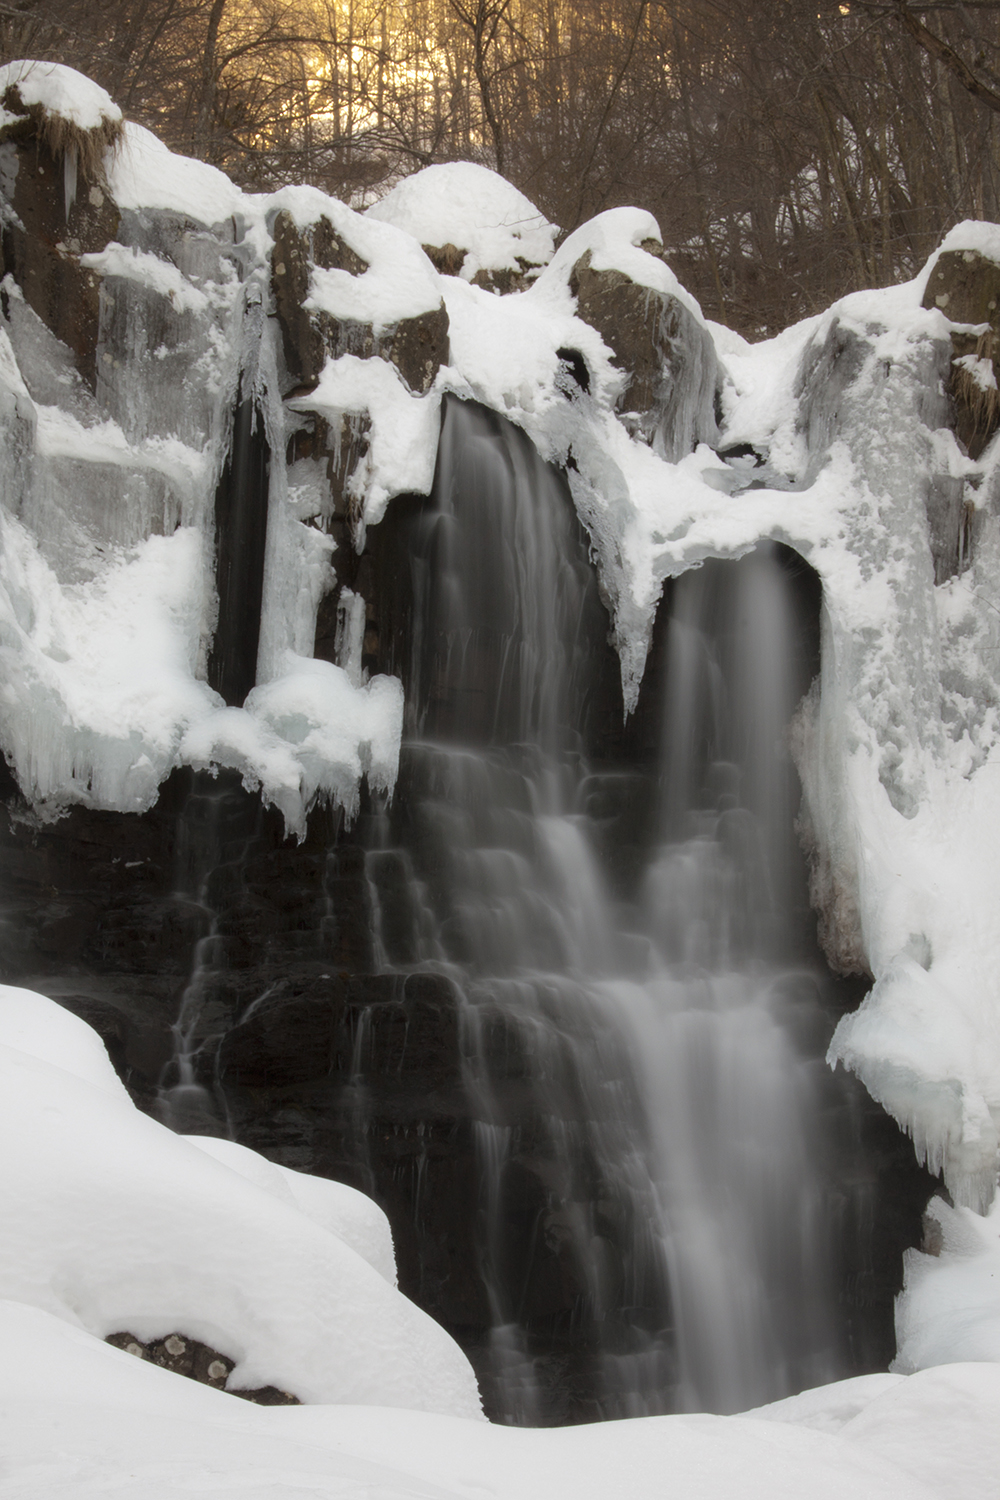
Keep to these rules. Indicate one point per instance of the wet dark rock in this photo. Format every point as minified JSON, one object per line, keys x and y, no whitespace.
{"x":667,"y":358}
{"x":42,"y":245}
{"x":966,"y":287}
{"x":185,"y":1356}
{"x":401,"y":1026}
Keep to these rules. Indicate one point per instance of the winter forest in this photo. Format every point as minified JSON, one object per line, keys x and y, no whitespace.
{"x":791,"y":152}
{"x":500,"y":749}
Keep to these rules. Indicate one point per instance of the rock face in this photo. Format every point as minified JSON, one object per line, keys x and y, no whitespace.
{"x":42,"y":244}
{"x":417,"y":346}
{"x":966,"y":287}
{"x":667,"y":357}
{"x":182,"y":1355}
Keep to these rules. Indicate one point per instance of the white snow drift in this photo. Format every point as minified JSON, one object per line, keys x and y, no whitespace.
{"x":112,"y":1223}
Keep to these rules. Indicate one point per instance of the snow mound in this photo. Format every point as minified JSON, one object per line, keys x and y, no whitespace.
{"x":145,"y":174}
{"x":60,"y":93}
{"x":113,"y":1223}
{"x":476,"y":210}
{"x":345,"y":1212}
{"x":86,"y":1418}
{"x":949,"y":1308}
{"x":614,"y":241}
{"x":33,"y":1024}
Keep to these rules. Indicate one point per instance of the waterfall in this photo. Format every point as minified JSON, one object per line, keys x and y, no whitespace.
{"x":638,"y":1021}
{"x":214,"y":829}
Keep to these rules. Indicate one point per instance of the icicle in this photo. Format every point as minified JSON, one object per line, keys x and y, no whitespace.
{"x":350,"y":637}
{"x":70,"y":164}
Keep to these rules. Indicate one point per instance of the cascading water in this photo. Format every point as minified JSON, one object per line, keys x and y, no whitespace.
{"x":653,"y":1228}
{"x":217,"y":820}
{"x":215,"y":826}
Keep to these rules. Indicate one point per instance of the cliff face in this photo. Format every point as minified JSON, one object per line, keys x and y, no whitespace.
{"x":224,"y":526}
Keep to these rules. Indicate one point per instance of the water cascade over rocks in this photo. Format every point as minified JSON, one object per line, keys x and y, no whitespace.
{"x":406,"y":790}
{"x":653,"y":1227}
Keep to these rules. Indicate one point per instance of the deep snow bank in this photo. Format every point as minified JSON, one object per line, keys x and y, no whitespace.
{"x":112,"y":1223}
{"x":85,"y":1418}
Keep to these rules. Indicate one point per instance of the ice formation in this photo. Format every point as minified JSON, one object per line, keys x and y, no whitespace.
{"x":948,"y":1309}
{"x":836,"y":439}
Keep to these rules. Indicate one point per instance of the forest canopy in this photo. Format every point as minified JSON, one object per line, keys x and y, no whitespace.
{"x":792,"y":151}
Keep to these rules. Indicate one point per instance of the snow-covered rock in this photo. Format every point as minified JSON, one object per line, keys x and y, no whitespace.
{"x":464,"y":213}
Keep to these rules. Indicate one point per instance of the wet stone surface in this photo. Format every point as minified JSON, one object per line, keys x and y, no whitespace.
{"x":182,"y":1355}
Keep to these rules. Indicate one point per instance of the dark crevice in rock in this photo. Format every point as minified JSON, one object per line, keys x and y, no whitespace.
{"x":241,"y":538}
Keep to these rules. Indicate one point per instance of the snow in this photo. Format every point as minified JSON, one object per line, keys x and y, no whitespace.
{"x":466,"y":205}
{"x":112,"y":1223}
{"x":350,"y":1215}
{"x":60,"y":91}
{"x":144,"y":174}
{"x":84,"y":1418}
{"x":981,"y":371}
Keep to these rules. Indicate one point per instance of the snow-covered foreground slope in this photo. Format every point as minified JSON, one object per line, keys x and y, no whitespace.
{"x":80,"y":1419}
{"x":111,"y":1223}
{"x":114,"y":1224}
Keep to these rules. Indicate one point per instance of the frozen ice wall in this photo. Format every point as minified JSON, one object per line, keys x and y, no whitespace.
{"x":133,"y":323}
{"x":142,"y":303}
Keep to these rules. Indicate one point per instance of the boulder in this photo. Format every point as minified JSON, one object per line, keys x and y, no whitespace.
{"x":665,"y":354}
{"x":417,"y":346}
{"x":965,"y":285}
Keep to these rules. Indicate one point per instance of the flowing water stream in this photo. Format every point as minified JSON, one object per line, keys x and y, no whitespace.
{"x":640,"y":1018}
{"x":637,"y":1023}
